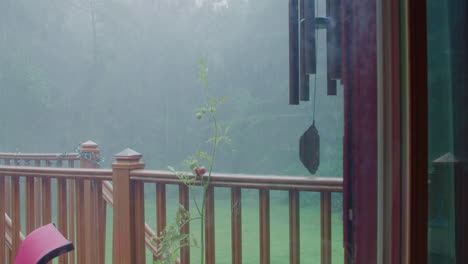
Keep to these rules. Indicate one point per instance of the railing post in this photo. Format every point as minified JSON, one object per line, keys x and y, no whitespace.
{"x":87,"y":244}
{"x":129,"y":220}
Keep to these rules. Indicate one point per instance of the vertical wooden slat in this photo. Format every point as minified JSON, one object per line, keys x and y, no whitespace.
{"x":91,"y":222}
{"x":97,"y":226}
{"x":294,"y":239}
{"x":80,"y":249}
{"x":264,"y":226}
{"x":8,"y":195}
{"x":210,"y":226}
{"x":9,"y":257}
{"x":138,"y":221}
{"x":160,"y":209}
{"x":184,"y":200}
{"x":30,"y":207}
{"x":37,"y":198}
{"x":87,"y":222}
{"x":236,"y":225}
{"x":15,"y":214}
{"x":62,"y":213}
{"x":71,"y":211}
{"x":46,"y":201}
{"x":46,"y":198}
{"x":325,"y":227}
{"x":2,"y":219}
{"x":101,"y":222}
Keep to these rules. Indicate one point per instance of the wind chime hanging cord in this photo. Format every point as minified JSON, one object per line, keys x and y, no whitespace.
{"x":309,"y":143}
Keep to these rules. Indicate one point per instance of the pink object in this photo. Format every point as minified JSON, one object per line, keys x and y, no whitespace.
{"x":42,"y":245}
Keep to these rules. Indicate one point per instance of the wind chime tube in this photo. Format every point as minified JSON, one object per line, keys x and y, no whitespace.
{"x":303,"y":76}
{"x":309,"y":37}
{"x":293,"y":53}
{"x":333,"y":45}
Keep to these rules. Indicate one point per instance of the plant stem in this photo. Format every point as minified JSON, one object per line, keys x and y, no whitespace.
{"x":206,"y":186}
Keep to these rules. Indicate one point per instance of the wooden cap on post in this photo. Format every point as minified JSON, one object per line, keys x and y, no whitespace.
{"x":89,"y":154}
{"x":128,"y":159}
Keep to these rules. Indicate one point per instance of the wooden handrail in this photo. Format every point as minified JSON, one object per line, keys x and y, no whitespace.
{"x":247,"y":178}
{"x":271,"y":182}
{"x":39,"y":156}
{"x":65,"y":173}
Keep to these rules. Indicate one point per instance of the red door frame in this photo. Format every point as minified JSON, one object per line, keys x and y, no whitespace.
{"x":360,"y":135}
{"x":418,"y":129}
{"x":360,"y":130}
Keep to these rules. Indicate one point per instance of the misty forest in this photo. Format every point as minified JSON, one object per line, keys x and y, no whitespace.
{"x":125,"y":74}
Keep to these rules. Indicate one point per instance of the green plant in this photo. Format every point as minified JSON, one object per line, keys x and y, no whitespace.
{"x":170,"y":240}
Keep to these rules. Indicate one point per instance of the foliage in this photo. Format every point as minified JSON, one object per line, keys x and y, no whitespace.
{"x":170,"y":240}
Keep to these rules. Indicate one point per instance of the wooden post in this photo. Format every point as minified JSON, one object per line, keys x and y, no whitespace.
{"x":325,"y":227}
{"x":264,"y":226}
{"x":210,"y":226}
{"x":184,"y":200}
{"x":294,"y":228}
{"x":236,"y":225}
{"x":160,"y":211}
{"x":88,"y":241}
{"x":129,"y":224}
{"x":2,"y":219}
{"x":15,"y":215}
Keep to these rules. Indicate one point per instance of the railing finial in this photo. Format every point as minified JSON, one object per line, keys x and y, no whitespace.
{"x":89,"y":155}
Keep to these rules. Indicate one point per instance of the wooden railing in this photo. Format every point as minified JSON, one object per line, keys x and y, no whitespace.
{"x":82,"y":194}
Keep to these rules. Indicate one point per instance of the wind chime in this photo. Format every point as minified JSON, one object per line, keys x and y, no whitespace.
{"x":303,"y":26}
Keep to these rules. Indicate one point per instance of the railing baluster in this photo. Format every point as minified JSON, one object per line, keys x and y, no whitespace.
{"x":30,"y":208}
{"x":37,"y":198}
{"x":15,"y":214}
{"x":46,"y":198}
{"x":80,"y":222}
{"x":294,"y":239}
{"x":138,"y":197}
{"x":184,"y":200}
{"x":2,"y":219}
{"x":236,"y":225}
{"x":264,"y":226}
{"x":160,"y":209}
{"x":101,"y":220}
{"x":46,"y":201}
{"x":71,"y":212}
{"x":62,"y":213}
{"x":210,"y":226}
{"x":325,"y":227}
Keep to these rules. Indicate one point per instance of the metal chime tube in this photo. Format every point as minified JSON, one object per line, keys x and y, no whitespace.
{"x":293,"y":53}
{"x":303,"y":76}
{"x":333,"y":45}
{"x":309,"y":37}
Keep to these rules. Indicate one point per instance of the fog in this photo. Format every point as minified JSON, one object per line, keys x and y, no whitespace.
{"x":124,"y":73}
